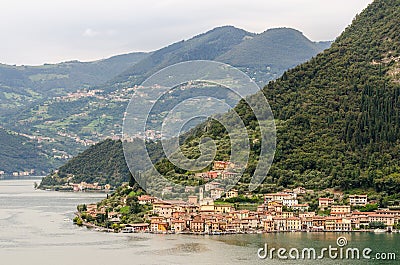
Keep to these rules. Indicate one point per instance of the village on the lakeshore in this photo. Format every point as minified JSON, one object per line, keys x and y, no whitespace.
{"x":284,"y":211}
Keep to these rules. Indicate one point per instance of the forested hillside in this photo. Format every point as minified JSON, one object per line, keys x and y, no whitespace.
{"x":19,"y":154}
{"x":103,"y":163}
{"x":337,"y":116}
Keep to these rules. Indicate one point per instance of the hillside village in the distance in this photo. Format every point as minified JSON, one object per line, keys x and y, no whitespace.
{"x":98,"y":99}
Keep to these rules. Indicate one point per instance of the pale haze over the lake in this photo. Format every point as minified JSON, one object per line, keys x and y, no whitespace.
{"x":48,"y":31}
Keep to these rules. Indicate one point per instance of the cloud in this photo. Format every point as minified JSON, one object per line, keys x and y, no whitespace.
{"x":90,"y":33}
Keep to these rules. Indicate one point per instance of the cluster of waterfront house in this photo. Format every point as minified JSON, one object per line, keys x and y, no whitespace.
{"x":83,"y":186}
{"x":205,"y":216}
{"x":279,"y":212}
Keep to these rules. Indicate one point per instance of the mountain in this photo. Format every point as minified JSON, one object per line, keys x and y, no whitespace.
{"x":337,"y":115}
{"x":24,"y":85}
{"x":278,"y":49}
{"x":74,"y":120}
{"x":206,"y":46}
{"x":20,"y":154}
{"x":103,"y":163}
{"x":89,"y":166}
{"x":275,"y":48}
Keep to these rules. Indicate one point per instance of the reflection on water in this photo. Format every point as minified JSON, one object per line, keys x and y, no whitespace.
{"x":34,"y":230}
{"x":182,"y":249}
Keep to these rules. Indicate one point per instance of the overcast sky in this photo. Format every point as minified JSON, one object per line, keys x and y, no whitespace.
{"x":48,"y":31}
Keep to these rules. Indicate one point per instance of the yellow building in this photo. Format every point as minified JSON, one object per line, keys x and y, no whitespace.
{"x":232,"y":193}
{"x":293,"y":224}
{"x":223,"y":208}
{"x":340,"y":210}
{"x":158,"y":224}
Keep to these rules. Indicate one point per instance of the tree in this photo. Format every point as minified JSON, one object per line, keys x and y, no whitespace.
{"x":78,"y":221}
{"x":81,"y":208}
{"x":374,"y":225}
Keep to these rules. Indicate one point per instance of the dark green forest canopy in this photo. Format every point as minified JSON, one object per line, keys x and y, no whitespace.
{"x":337,"y":115}
{"x":103,"y":163}
{"x":21,"y":151}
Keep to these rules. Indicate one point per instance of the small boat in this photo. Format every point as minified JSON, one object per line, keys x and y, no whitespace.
{"x":127,"y":230}
{"x":379,"y":230}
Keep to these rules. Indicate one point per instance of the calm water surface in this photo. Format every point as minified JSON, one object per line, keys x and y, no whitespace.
{"x":34,"y":229}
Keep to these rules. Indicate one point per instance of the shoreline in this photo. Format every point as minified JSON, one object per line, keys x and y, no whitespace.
{"x":72,"y":191}
{"x":10,"y":177}
{"x":91,"y":226}
{"x":95,"y":228}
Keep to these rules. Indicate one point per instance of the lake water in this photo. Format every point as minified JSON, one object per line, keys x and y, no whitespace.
{"x":34,"y":230}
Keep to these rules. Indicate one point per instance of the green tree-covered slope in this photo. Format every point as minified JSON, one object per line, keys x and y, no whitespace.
{"x":19,"y":154}
{"x":337,"y":116}
{"x":103,"y":163}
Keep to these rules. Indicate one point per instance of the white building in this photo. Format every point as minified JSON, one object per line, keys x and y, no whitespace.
{"x":211,"y":185}
{"x":217,"y":193}
{"x":358,"y":200}
{"x":285,"y":198}
{"x":290,"y":202}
